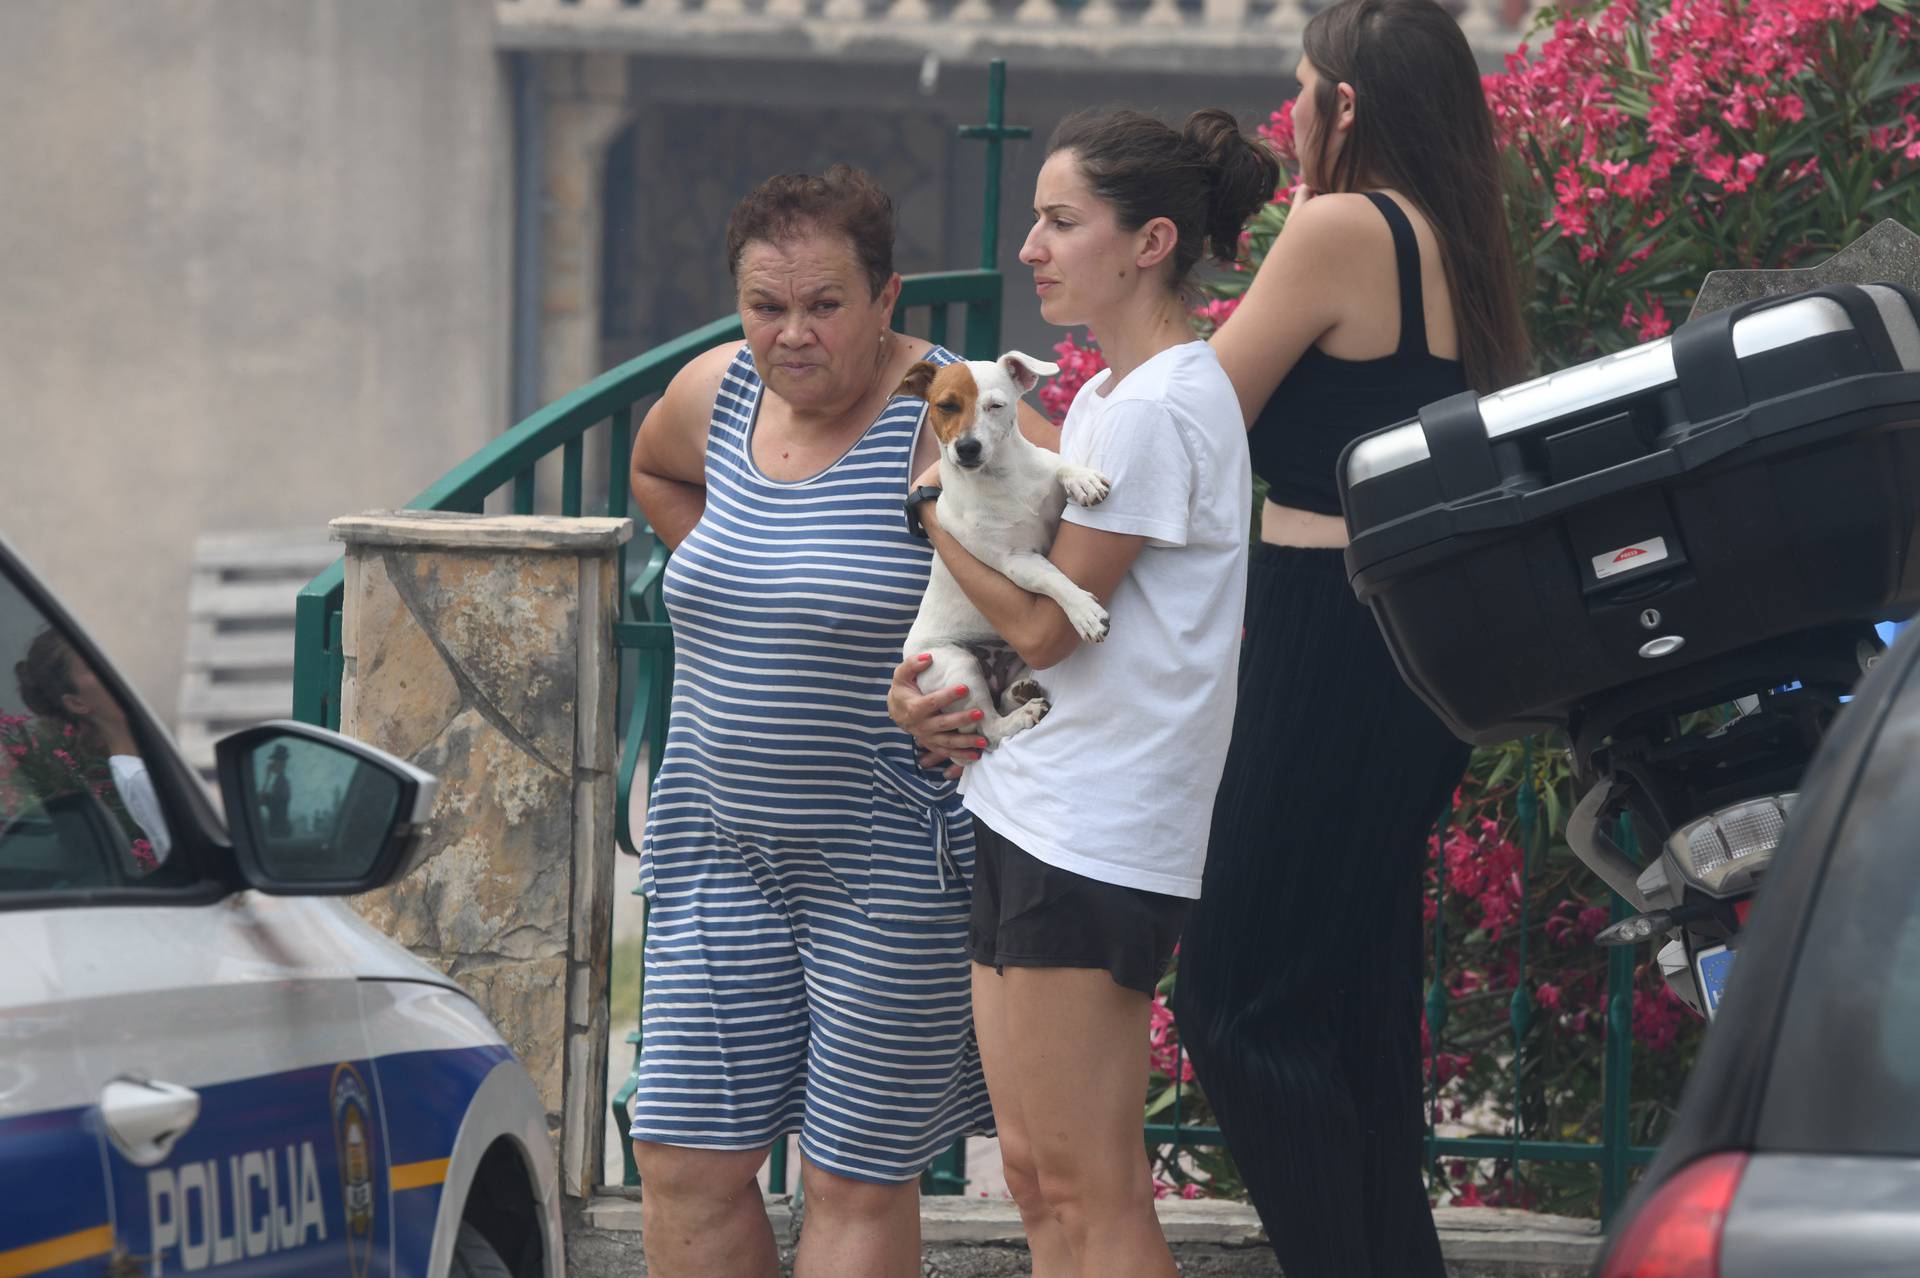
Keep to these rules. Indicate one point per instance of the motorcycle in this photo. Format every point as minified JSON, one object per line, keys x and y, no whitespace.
{"x":1705,"y":776}
{"x":1675,"y":554}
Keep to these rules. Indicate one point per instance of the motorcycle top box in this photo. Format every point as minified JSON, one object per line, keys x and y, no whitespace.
{"x":1751,"y":476}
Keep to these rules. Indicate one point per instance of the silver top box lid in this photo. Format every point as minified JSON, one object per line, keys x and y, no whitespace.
{"x":1639,"y":369}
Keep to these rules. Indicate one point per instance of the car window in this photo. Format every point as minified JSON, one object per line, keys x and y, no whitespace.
{"x":78,"y":809}
{"x":1846,"y":1071}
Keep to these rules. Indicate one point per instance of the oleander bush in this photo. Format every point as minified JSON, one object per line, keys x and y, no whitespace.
{"x":1646,"y":144}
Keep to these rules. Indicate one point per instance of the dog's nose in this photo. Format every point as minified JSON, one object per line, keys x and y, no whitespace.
{"x":968,"y":452}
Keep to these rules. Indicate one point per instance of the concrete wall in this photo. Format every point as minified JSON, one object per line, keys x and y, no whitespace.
{"x":253,"y":273}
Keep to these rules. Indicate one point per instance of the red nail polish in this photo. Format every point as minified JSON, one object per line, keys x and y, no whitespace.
{"x":978,"y":714}
{"x":982,"y":743}
{"x":963,"y":689}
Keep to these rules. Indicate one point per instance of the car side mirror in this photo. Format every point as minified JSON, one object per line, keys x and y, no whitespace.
{"x":313,"y":813}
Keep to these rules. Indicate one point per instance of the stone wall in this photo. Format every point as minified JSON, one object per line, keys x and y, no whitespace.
{"x":481,"y":650}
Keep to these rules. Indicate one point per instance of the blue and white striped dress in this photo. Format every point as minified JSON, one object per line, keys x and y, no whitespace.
{"x":806,"y":962}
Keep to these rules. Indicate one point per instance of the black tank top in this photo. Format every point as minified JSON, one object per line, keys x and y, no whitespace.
{"x":1325,"y":403}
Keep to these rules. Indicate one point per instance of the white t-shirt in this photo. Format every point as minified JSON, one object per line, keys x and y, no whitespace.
{"x":1117,"y":782}
{"x":135,"y":787}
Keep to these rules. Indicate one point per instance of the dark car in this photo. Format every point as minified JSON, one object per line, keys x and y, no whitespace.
{"x":1796,"y":1150}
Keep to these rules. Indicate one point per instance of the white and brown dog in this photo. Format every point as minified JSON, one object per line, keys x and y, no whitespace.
{"x":1001,"y":497}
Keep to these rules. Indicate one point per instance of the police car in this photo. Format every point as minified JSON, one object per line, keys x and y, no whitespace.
{"x":206,"y":1065}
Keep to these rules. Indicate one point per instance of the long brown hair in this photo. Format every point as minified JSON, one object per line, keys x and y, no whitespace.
{"x":1421,"y":127}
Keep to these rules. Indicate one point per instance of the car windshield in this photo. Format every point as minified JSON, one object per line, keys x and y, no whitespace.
{"x":1846,"y":1071}
{"x":78,"y":808}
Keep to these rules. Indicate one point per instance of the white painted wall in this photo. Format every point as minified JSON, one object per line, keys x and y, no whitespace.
{"x":254,"y":273}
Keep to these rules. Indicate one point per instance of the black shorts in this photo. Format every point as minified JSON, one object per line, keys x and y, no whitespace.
{"x":1027,"y":913}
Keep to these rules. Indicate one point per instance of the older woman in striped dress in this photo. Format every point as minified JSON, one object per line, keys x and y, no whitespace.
{"x":806,"y":961}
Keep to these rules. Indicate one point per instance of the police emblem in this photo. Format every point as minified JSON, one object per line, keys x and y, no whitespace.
{"x":353,"y":1144}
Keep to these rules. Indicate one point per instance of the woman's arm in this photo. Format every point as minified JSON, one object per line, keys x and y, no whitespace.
{"x":668,"y":474}
{"x":1297,"y":296}
{"x":1033,"y":624}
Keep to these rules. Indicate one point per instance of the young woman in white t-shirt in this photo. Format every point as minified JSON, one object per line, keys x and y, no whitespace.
{"x":1092,"y":825}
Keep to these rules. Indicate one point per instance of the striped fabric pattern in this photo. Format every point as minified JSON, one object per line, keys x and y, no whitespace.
{"x":806,"y":963}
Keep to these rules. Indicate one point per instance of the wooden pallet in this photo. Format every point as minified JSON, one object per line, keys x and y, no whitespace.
{"x":239,"y":659}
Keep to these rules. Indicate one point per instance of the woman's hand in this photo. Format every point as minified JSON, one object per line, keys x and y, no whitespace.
{"x":945,"y":736}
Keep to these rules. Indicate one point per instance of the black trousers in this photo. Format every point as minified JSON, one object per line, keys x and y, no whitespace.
{"x":1299,"y":993}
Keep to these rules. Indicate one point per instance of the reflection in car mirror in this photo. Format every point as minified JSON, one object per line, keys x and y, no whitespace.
{"x":313,"y":812}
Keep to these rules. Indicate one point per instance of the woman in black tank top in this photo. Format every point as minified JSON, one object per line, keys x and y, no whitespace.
{"x":1301,"y":964}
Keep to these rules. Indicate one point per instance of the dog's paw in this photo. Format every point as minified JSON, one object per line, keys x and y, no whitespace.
{"x":1023,"y":718}
{"x":1023,"y":692}
{"x":1085,"y":487}
{"x":1088,"y":617}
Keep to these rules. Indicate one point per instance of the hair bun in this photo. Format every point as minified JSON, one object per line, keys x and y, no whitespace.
{"x":1241,"y":176}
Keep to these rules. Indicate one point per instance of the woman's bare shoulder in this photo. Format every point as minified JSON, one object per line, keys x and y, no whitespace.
{"x":711,"y":364}
{"x":693,"y":388}
{"x":681,"y":415}
{"x":1340,"y":218}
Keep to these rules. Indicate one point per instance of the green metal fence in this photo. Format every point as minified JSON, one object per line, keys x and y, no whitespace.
{"x":506,"y":468}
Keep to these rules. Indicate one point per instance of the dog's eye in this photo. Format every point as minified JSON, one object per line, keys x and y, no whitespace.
{"x":948,"y":406}
{"x":994,"y":405}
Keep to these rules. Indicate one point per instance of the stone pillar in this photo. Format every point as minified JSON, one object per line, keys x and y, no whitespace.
{"x":481,"y":649}
{"x":585,"y":106}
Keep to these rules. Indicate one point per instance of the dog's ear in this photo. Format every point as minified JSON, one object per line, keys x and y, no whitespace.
{"x":1025,"y":370}
{"x":919,"y":377}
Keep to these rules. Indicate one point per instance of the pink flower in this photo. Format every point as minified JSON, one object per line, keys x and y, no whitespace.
{"x":1658,"y":1016}
{"x":1547,"y":996}
{"x":1077,"y":364}
{"x":1218,"y":311}
{"x":1278,"y":130}
{"x":1715,"y":167}
{"x":1164,"y":1055}
{"x":1653,"y":320}
{"x":1635,"y":183}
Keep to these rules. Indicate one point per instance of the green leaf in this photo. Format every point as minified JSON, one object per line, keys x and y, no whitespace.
{"x":1902,"y":189}
{"x":1556,"y":812}
{"x":1501,"y":770}
{"x":1162,"y":1102}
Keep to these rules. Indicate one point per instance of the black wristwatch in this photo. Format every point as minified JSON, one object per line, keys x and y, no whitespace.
{"x":924,"y":493}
